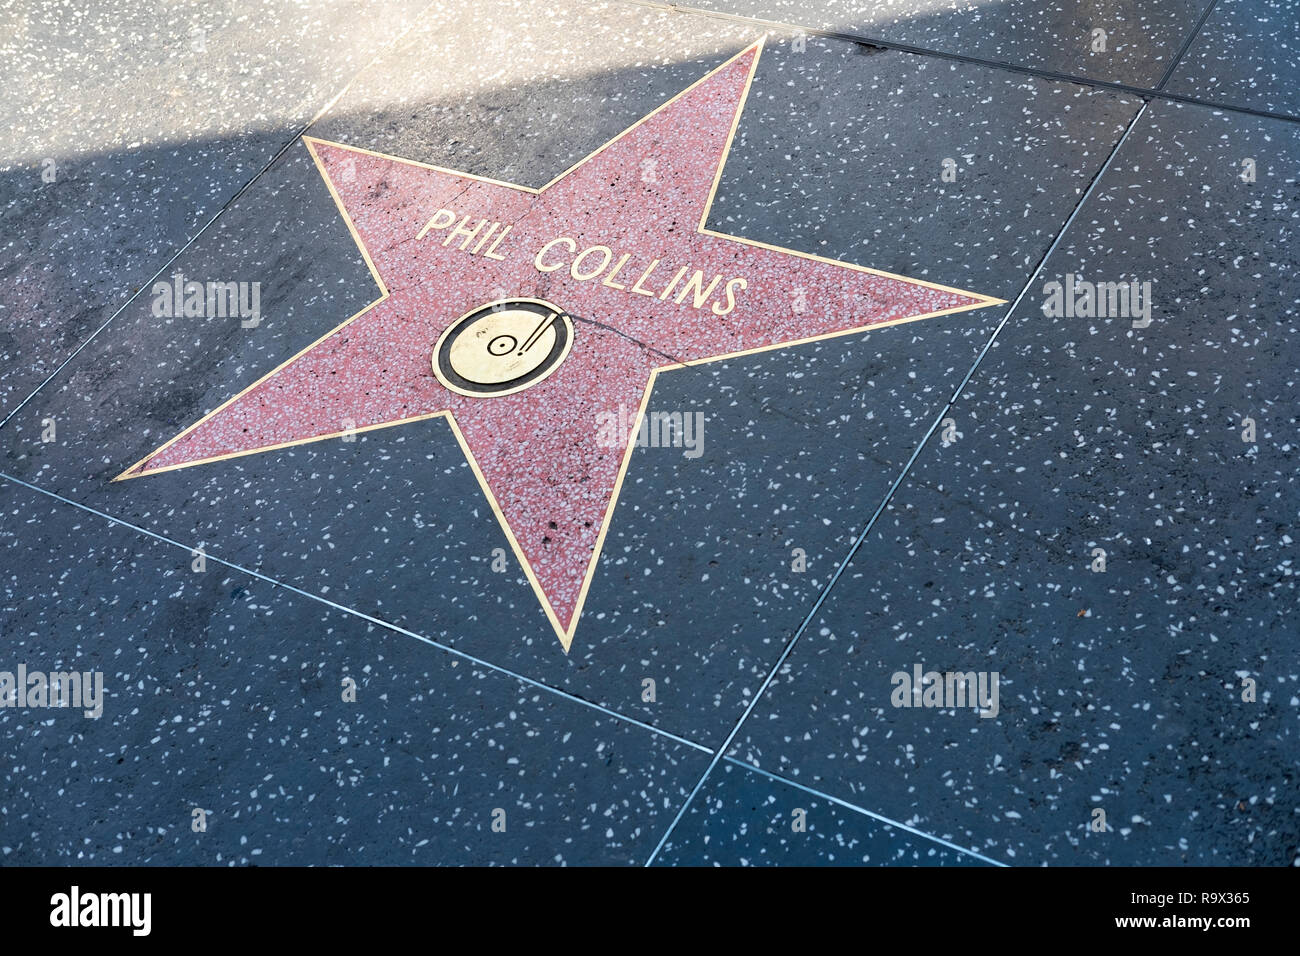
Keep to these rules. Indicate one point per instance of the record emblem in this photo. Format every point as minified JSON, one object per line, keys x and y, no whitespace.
{"x":502,"y":347}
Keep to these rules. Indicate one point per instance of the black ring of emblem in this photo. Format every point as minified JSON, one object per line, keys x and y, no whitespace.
{"x":559,"y":348}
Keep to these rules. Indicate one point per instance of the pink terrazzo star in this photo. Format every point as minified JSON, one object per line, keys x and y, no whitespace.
{"x":642,"y":198}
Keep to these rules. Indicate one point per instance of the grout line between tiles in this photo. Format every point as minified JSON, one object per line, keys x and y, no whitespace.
{"x":1145,"y":93}
{"x":378,"y":622}
{"x":1187,"y":45}
{"x":934,"y":425}
{"x":813,"y":791}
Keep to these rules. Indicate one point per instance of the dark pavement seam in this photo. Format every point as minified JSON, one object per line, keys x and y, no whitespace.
{"x":934,"y":426}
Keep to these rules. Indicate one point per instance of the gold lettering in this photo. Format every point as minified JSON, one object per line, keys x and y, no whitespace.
{"x":700,"y":294}
{"x":636,"y":286}
{"x":435,"y":224}
{"x":460,"y":230}
{"x":491,"y":253}
{"x":547,"y":248}
{"x":609,"y":279}
{"x":603,"y":250}
{"x":680,"y":272}
{"x":486,"y":236}
{"x":739,"y":283}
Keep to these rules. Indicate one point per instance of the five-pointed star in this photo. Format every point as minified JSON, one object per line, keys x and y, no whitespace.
{"x":643,"y":198}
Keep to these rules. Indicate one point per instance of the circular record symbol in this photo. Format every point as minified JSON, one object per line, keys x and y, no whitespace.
{"x":502,"y":347}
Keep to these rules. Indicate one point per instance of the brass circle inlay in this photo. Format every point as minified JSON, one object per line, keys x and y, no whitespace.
{"x":502,"y":347}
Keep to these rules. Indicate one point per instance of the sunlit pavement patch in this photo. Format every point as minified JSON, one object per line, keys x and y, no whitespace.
{"x":128,"y":131}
